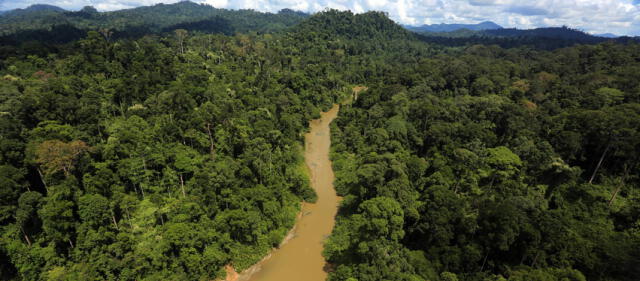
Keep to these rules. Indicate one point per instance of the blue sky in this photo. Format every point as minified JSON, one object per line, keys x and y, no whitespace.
{"x":596,"y":16}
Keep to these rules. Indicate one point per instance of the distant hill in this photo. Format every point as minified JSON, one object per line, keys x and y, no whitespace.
{"x":21,"y":23}
{"x":32,"y":9}
{"x":51,"y":24}
{"x":372,"y":24}
{"x":564,"y":32}
{"x":333,"y":35}
{"x":443,"y":27}
{"x":607,"y":35}
{"x":43,"y":7}
{"x":548,"y":38}
{"x":556,"y":33}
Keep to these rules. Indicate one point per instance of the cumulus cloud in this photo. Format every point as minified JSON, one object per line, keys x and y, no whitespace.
{"x":596,"y":16}
{"x":482,"y":2}
{"x":526,"y":10}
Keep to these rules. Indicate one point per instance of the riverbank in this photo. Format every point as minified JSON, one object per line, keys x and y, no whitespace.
{"x":300,"y":255}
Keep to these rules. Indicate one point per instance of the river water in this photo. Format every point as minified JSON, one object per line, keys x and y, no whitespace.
{"x":300,"y":259}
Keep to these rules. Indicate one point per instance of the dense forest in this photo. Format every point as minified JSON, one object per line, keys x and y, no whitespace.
{"x":168,"y":154}
{"x":41,"y":26}
{"x":147,"y":19}
{"x":547,"y":38}
{"x":491,"y":164}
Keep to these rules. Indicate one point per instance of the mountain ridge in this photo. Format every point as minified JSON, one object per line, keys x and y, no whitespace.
{"x":158,"y":18}
{"x":555,"y":33}
{"x":449,"y":27}
{"x":606,"y":35}
{"x":51,"y":23}
{"x":49,"y":15}
{"x":33,"y":8}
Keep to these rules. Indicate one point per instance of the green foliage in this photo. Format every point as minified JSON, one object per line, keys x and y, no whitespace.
{"x":168,"y":156}
{"x":62,"y":26}
{"x":383,"y":219}
{"x":502,"y":165}
{"x":549,"y":274}
{"x":180,"y":154}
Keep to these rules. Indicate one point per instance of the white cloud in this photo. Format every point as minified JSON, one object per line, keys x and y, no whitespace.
{"x":597,"y":16}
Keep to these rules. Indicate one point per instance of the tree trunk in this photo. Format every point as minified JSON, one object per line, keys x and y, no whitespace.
{"x":484,"y":261}
{"x":535,"y":259}
{"x":26,"y":237}
{"x":593,"y":176}
{"x":71,"y":243}
{"x":615,"y":193}
{"x":182,"y":186}
{"x":42,"y":180}
{"x":211,"y":146}
{"x":146,"y":174}
{"x":115,"y":223}
{"x":141,"y":191}
{"x":624,"y":178}
{"x":493,"y":178}
{"x":128,"y":217}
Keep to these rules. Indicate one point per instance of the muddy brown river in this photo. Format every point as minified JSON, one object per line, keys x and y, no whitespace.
{"x":301,"y":257}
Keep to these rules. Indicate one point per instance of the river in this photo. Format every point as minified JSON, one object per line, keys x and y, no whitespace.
{"x":300,"y":258}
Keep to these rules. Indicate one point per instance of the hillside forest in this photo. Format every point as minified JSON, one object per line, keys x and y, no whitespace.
{"x":170,"y":152}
